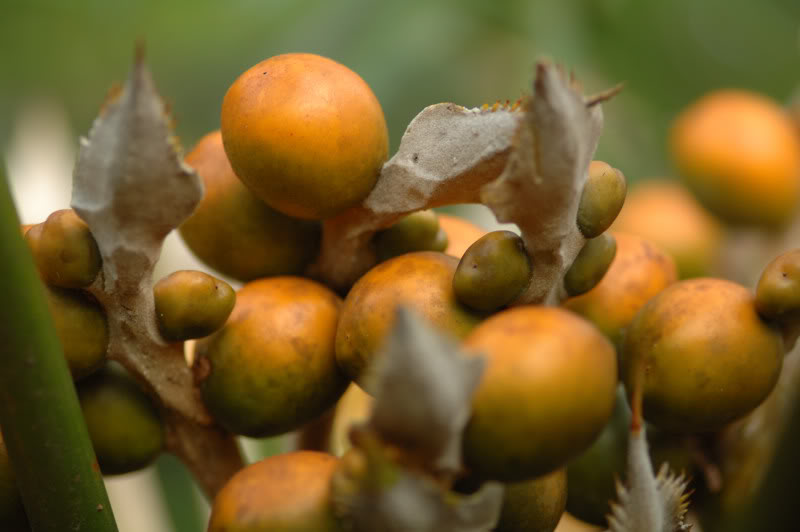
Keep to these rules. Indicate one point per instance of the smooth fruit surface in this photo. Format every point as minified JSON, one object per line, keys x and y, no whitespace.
{"x":82,"y":328}
{"x":547,"y":392}
{"x":305,"y":134}
{"x":283,"y":493}
{"x":418,"y":231}
{"x":778,"y":290}
{"x":191,"y":304}
{"x":591,"y":264}
{"x":272,"y":368}
{"x":125,"y":428}
{"x":665,"y":213}
{"x":639,"y":271}
{"x":64,"y":250}
{"x":461,"y":234}
{"x":493,"y":271}
{"x":534,"y":505}
{"x":740,"y":154}
{"x":236,"y":233}
{"x":705,"y":355}
{"x":422,"y":281}
{"x":601,"y":199}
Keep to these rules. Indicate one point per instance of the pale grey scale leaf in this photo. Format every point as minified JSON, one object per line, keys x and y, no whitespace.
{"x":130,"y":183}
{"x":648,"y":502}
{"x":423,"y":385}
{"x":413,"y":503}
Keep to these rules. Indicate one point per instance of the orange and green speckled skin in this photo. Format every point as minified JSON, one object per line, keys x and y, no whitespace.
{"x":422,"y":281}
{"x":236,"y":233}
{"x":534,"y":505}
{"x":547,"y":392}
{"x":305,"y":134}
{"x":708,"y":357}
{"x":283,"y":493}
{"x":272,"y":367}
{"x":639,"y":271}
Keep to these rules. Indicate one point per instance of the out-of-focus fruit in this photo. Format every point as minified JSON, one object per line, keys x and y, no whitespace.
{"x":82,"y":328}
{"x":271,"y":367}
{"x":740,"y":154}
{"x":125,"y":428}
{"x":461,"y":234}
{"x":191,"y":304}
{"x":236,"y":233}
{"x":639,"y":271}
{"x":283,"y":493}
{"x":418,"y":231}
{"x":665,"y":213}
{"x":705,"y":356}
{"x":493,"y":272}
{"x":547,"y":392}
{"x":534,"y":505}
{"x":305,"y":134}
{"x":353,"y":408}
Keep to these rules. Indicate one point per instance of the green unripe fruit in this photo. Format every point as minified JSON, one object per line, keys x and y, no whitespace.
{"x":82,"y":327}
{"x":534,"y":505}
{"x":236,"y":233}
{"x":271,"y":367}
{"x":601,"y":199}
{"x":418,"y":231}
{"x":64,"y":250}
{"x":125,"y":428}
{"x":191,"y":304}
{"x":441,"y":241}
{"x":590,"y":265}
{"x":12,"y":513}
{"x":493,"y":271}
{"x":592,"y":476}
{"x":778,"y":290}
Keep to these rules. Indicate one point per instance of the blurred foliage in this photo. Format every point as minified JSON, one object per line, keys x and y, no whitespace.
{"x":412,"y":53}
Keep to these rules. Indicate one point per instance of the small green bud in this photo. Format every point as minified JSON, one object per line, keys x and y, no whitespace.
{"x":82,"y":327}
{"x":64,"y":250}
{"x":590,"y":265}
{"x":601,"y":199}
{"x":493,"y":271}
{"x":191,"y":304}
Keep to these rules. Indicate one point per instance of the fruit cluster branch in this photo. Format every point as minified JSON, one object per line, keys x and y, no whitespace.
{"x":528,"y":162}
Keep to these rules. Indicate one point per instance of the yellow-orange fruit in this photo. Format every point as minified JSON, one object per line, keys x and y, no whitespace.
{"x":271,"y":367}
{"x":283,"y":493}
{"x":704,"y":354}
{"x":236,"y":233}
{"x":740,"y":153}
{"x":534,"y":505}
{"x":547,"y":392}
{"x":665,"y":213}
{"x":461,"y":234}
{"x":305,"y":134}
{"x":639,"y":271}
{"x":422,"y":281}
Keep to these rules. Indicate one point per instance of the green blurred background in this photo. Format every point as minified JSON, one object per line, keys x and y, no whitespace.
{"x":412,"y":53}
